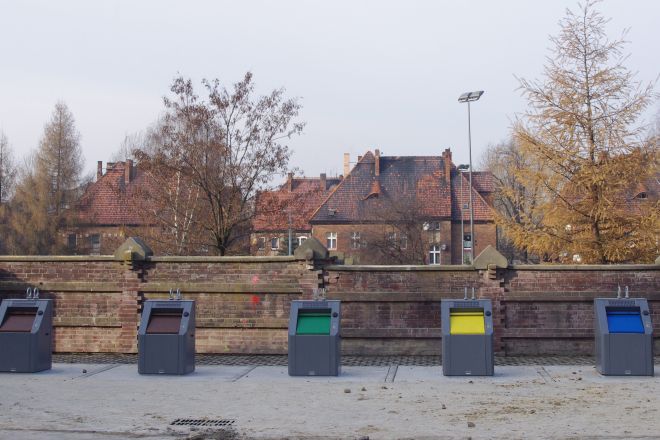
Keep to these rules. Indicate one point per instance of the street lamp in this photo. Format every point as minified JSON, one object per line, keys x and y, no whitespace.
{"x":471,"y":97}
{"x":462,"y":168}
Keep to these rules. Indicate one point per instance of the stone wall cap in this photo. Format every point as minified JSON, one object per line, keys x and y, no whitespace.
{"x":490,"y":256}
{"x":134,"y":248}
{"x":318,"y":251}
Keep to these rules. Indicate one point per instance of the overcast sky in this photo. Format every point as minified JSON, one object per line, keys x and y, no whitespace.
{"x":370,"y":74}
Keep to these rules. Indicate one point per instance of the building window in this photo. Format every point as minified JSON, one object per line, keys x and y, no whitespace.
{"x":71,"y":241}
{"x":261,"y":243}
{"x":431,"y":226}
{"x":391,"y":239}
{"x":404,"y":241}
{"x":274,"y":243}
{"x":434,"y":254}
{"x":301,"y":240}
{"x":331,"y":240}
{"x":95,"y":244}
{"x":355,"y":240}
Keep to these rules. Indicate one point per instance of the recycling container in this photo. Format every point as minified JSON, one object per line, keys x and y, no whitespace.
{"x":624,"y":337}
{"x":314,"y":338}
{"x":26,"y":335}
{"x":166,"y":337}
{"x":467,"y":337}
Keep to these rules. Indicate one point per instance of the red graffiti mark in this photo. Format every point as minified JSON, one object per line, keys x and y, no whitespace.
{"x":255,"y":279}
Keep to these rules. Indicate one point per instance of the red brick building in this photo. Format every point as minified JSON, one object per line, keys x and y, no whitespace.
{"x":288,"y":208}
{"x":109,"y":210}
{"x":387,"y":209}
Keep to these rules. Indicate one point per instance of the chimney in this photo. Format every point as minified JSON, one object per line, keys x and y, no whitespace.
{"x":128,"y":171}
{"x":446,"y":156}
{"x":322,"y":182}
{"x":347,"y":163}
{"x":289,"y":182}
{"x":377,"y":162}
{"x":99,"y":169}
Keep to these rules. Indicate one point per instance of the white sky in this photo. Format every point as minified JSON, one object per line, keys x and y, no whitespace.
{"x":371,"y":74}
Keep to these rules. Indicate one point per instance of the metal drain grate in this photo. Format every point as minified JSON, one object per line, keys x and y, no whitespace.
{"x":203,"y":422}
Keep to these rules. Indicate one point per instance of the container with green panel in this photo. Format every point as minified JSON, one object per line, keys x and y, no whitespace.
{"x":314,"y":338}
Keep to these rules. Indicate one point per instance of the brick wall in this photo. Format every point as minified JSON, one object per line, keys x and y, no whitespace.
{"x":243,"y":302}
{"x":536,"y":309}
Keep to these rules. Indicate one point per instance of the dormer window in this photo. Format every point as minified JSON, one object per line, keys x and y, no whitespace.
{"x":642,"y":195}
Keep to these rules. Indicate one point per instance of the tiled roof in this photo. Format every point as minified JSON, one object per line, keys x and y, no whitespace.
{"x":482,"y":211}
{"x":483,"y":181}
{"x":418,"y":178}
{"x":305,"y":196}
{"x":110,"y":200}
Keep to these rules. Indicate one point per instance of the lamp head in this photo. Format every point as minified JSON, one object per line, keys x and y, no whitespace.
{"x":470,"y":96}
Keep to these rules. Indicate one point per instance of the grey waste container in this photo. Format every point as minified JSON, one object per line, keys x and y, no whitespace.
{"x":624,"y":337}
{"x":166,"y":338}
{"x":26,"y":335}
{"x":467,"y":337}
{"x":314,"y":338}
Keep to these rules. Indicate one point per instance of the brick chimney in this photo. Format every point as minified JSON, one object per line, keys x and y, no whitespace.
{"x":347,"y":163}
{"x":446,"y":156}
{"x":322,"y":182}
{"x":128,"y":171}
{"x":289,"y":182}
{"x":99,"y":169}
{"x":377,"y":162}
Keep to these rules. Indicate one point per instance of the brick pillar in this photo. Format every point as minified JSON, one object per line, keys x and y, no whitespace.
{"x":129,"y":309}
{"x":133,"y":254}
{"x":492,"y":266}
{"x":491,"y":286}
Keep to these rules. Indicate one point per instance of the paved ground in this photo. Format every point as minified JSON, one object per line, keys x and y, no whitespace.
{"x":352,"y":361}
{"x":81,"y":401}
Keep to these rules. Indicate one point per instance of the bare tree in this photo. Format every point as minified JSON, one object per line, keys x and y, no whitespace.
{"x":7,"y":170}
{"x":223,"y":151}
{"x":515,"y":200}
{"x":400,"y":238}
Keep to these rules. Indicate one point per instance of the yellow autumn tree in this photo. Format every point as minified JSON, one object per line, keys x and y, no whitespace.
{"x":593,"y":162}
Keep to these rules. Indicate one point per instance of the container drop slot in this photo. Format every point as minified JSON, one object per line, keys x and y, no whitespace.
{"x":624,"y":320}
{"x":166,"y":321}
{"x":313,"y":322}
{"x":18,"y":319}
{"x":464,"y":322}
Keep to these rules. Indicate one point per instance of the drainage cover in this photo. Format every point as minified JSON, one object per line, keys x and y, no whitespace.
{"x":202,"y":422}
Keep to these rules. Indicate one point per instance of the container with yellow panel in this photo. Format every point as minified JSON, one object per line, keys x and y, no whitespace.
{"x":466,"y":322}
{"x":467,"y":337}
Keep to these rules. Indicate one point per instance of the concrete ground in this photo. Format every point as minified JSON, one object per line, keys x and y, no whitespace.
{"x":111,"y":401}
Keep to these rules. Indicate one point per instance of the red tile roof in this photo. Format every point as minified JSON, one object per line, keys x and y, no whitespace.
{"x":482,"y":211}
{"x":305,"y":196}
{"x":483,"y":181}
{"x":111,"y":200}
{"x":362,"y":195}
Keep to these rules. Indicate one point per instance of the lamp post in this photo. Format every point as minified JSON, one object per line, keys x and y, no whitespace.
{"x":462,"y":168}
{"x":471,"y":97}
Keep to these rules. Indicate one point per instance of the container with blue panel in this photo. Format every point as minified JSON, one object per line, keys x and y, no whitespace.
{"x":624,"y":337}
{"x":314,"y":338}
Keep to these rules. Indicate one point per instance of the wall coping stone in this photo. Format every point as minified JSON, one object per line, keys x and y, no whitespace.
{"x":40,"y":258}
{"x":399,"y":268}
{"x":595,"y":267}
{"x":233,"y":259}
